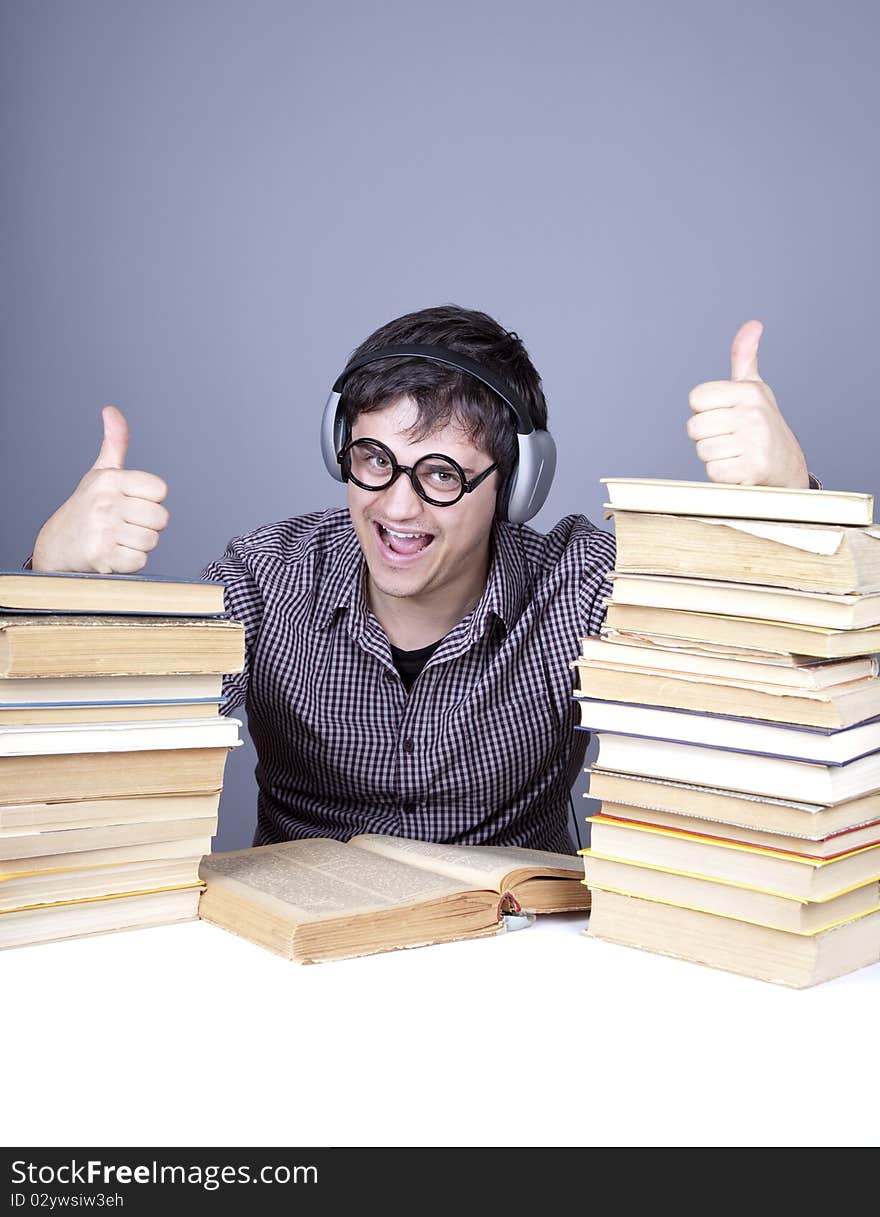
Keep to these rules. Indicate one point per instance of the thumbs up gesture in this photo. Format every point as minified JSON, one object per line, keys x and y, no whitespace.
{"x":738,"y":428}
{"x":113,"y":518}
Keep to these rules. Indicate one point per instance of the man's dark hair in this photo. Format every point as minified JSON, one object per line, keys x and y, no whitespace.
{"x":443,"y":393}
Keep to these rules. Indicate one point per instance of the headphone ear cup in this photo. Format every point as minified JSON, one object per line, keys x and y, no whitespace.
{"x":333,"y":436}
{"x":531,"y":477}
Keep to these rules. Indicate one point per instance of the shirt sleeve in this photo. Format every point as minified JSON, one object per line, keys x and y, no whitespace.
{"x":815,"y":484}
{"x":595,"y":586}
{"x":243,"y":602}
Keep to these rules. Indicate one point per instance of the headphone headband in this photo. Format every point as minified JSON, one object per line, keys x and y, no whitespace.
{"x":453,"y":359}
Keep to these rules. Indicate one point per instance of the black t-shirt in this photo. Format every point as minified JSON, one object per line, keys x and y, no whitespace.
{"x":410,"y":663}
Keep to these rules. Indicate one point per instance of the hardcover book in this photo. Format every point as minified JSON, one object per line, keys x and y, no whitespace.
{"x":51,"y":888}
{"x":67,"y":691}
{"x":796,"y":876}
{"x":53,"y":645}
{"x":812,"y":821}
{"x":34,"y":591}
{"x":54,"y":739}
{"x":54,"y":922}
{"x":750,"y":773}
{"x":758,"y":951}
{"x":841,"y":841}
{"x":69,"y":777}
{"x":675,"y":659}
{"x":824,"y":745}
{"x":815,"y":558}
{"x":745,"y":502}
{"x":669,"y":626}
{"x":835,"y":706}
{"x":725,"y":899}
{"x":752,"y":600}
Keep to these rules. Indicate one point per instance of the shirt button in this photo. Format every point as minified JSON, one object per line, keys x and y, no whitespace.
{"x":408,"y":745}
{"x":391,"y":677}
{"x":408,"y":808}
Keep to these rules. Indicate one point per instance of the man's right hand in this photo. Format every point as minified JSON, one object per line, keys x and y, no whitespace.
{"x":113,"y":518}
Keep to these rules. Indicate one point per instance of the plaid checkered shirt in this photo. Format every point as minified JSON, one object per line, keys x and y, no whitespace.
{"x":477,"y":752}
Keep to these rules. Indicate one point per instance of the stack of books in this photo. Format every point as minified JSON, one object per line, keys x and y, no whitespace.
{"x":735,"y":696}
{"x":112,"y":749}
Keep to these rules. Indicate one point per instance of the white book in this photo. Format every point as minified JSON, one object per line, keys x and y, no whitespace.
{"x":742,"y":502}
{"x":59,"y":738}
{"x":824,"y":745}
{"x":838,"y":612}
{"x":749,"y":773}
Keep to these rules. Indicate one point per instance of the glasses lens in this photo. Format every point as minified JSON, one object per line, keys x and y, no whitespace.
{"x":371,"y":464}
{"x":440,"y":480}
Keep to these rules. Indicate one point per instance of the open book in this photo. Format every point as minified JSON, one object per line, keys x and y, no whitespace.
{"x":320,"y":899}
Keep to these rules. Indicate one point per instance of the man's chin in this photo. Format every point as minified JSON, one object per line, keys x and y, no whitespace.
{"x":402,"y":583}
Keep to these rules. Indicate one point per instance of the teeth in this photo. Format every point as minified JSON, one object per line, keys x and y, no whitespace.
{"x":407,"y":535}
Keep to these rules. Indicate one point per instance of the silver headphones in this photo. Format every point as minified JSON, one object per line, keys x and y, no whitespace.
{"x":524,"y":492}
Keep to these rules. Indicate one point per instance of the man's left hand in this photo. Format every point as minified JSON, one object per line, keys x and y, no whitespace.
{"x":738,"y":428}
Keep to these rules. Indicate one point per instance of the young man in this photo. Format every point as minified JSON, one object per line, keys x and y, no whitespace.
{"x":407,"y":657}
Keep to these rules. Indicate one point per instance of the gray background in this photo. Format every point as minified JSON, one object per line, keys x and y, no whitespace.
{"x":207,"y":204}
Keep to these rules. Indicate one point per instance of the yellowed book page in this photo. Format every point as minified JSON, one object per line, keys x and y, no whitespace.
{"x":476,"y":865}
{"x":811,"y":538}
{"x":314,"y":880}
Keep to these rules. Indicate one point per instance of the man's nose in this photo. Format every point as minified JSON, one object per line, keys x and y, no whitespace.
{"x":400,"y":499}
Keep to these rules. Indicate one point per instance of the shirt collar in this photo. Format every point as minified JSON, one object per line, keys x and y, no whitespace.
{"x":504,"y":597}
{"x":341,"y":586}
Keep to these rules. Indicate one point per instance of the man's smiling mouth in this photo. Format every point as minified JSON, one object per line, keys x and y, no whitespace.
{"x":403,"y":543}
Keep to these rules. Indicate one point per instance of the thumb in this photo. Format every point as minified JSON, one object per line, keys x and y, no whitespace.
{"x":744,"y":352}
{"x":115,"y":445}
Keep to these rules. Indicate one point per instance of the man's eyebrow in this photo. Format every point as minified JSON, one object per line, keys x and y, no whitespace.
{"x":468,"y":469}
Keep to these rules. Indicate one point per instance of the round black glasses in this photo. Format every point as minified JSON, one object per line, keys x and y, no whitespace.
{"x":437,"y":479}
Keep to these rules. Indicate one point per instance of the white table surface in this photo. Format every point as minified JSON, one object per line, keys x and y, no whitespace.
{"x":188,"y":1036}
